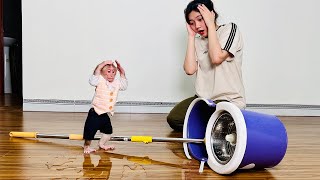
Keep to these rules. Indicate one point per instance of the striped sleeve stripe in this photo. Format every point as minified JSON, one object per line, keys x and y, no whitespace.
{"x":231,"y":37}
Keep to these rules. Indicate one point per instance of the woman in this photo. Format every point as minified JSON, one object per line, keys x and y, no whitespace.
{"x":214,"y":53}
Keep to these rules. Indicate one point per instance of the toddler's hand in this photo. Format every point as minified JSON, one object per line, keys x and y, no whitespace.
{"x":120,"y":69}
{"x":108,"y":62}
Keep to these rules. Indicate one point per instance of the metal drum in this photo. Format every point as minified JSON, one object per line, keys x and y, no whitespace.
{"x":234,"y":138}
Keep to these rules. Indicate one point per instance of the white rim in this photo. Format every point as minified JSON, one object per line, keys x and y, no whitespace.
{"x":185,"y":124}
{"x":241,"y":144}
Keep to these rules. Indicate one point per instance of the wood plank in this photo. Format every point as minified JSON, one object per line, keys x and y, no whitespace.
{"x":57,"y":158}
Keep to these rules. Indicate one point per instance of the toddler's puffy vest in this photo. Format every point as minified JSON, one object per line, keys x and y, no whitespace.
{"x":105,"y":99}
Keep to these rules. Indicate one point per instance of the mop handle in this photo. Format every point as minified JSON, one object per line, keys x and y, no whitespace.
{"x":39,"y":135}
{"x":149,"y":139}
{"x":145,"y":139}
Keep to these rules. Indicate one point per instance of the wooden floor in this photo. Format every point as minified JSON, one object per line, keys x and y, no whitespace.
{"x":64,"y":159}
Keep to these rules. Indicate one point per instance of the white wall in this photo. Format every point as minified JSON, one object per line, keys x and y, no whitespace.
{"x":63,"y":41}
{"x":281,"y":44}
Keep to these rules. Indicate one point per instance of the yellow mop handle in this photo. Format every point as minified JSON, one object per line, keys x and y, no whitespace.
{"x":75,"y":137}
{"x":145,"y":139}
{"x":23,"y":134}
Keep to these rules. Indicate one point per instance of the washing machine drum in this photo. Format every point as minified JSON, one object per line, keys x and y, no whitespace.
{"x":223,"y":138}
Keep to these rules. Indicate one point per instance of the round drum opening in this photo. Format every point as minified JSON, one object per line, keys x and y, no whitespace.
{"x":223,"y":138}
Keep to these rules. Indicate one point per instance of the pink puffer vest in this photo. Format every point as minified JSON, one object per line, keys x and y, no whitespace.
{"x":105,"y":99}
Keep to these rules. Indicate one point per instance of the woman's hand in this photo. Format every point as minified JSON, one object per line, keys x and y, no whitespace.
{"x":208,"y":16}
{"x":191,"y":33}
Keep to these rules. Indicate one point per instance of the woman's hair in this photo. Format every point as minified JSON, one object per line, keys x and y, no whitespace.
{"x":193,"y":6}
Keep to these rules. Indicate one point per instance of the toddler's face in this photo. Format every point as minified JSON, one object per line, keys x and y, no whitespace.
{"x":109,"y":72}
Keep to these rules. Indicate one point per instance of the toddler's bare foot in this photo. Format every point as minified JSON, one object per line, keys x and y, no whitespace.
{"x":107,"y":147}
{"x":88,"y":150}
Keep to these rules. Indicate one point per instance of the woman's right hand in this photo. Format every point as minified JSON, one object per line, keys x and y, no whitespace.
{"x":191,"y":33}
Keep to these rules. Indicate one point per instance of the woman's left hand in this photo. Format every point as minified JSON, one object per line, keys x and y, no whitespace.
{"x":208,"y":16}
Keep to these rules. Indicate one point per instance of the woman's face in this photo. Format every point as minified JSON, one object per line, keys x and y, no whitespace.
{"x":198,"y":24}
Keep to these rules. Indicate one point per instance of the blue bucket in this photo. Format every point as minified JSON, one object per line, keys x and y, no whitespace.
{"x":259,"y":140}
{"x":266,"y":140}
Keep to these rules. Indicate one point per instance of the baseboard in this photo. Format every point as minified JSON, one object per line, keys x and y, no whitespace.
{"x":285,"y":109}
{"x":54,"y":105}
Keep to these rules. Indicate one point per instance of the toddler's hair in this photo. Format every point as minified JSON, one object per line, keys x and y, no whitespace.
{"x":107,"y":66}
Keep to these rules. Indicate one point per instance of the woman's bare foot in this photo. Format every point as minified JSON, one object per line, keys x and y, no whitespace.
{"x":88,"y":150}
{"x":107,"y":147}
